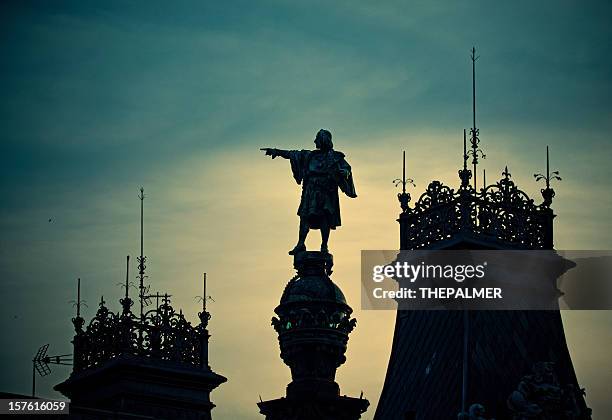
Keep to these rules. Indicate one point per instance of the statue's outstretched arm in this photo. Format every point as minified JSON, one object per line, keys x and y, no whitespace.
{"x":276,"y":152}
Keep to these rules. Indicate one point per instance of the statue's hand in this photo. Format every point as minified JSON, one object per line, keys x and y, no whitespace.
{"x":270,"y":152}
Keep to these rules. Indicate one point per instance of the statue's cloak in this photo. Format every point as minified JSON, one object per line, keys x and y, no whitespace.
{"x":321,"y":173}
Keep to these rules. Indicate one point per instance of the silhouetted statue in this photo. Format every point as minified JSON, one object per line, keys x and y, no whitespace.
{"x":321,"y":172}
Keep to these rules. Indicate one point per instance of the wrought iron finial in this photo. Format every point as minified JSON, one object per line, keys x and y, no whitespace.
{"x":78,"y":301}
{"x":506,"y":173}
{"x":548,"y":193}
{"x":102,"y":301}
{"x":126,"y":302}
{"x":78,"y":321}
{"x":204,"y":315}
{"x":204,"y":292}
{"x":127,"y":276}
{"x":403,"y":197}
{"x":474,"y":131}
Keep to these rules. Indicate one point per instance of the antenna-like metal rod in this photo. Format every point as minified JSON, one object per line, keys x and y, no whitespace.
{"x":474,"y":139}
{"x":547,"y":169}
{"x":404,"y":171}
{"x":465,"y":155}
{"x":204,"y":293}
{"x":141,"y":196}
{"x":78,"y":303}
{"x":484,"y":178}
{"x":141,"y":265}
{"x":474,"y":86}
{"x":127,"y":275}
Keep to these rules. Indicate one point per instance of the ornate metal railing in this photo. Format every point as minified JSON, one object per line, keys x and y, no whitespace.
{"x":499,"y":212}
{"x":161,"y":334}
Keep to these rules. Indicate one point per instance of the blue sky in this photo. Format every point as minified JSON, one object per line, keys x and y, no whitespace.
{"x":101,"y":98}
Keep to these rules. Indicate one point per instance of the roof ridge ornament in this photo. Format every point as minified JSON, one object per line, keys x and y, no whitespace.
{"x":547,"y":193}
{"x":403,"y":197}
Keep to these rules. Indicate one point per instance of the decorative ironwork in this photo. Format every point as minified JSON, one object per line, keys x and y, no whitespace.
{"x":77,"y":321}
{"x":404,"y":197}
{"x":161,"y":333}
{"x":500,"y":212}
{"x":547,"y":193}
{"x":204,"y":315}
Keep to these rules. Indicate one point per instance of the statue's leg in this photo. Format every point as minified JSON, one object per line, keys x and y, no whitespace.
{"x":301,"y":245}
{"x":324,"y":237}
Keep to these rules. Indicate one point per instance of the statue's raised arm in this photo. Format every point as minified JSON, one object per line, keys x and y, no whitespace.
{"x":321,"y":172}
{"x":276,"y":152}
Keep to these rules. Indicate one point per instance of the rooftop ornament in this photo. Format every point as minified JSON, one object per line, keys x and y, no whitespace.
{"x":161,"y":333}
{"x":496,"y":213}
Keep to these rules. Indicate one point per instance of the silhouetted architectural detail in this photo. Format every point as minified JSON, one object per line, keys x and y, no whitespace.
{"x":321,"y":172}
{"x":313,"y":324}
{"x":443,"y":362}
{"x":404,"y":197}
{"x":540,"y":396}
{"x":500,"y":213}
{"x":150,"y":365}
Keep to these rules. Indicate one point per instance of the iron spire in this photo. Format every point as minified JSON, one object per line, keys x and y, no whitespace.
{"x":548,"y":193}
{"x":403,"y":197}
{"x":474,"y":131}
{"x":78,"y":301}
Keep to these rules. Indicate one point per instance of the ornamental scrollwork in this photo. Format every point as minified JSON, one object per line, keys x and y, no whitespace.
{"x":500,"y":211}
{"x":161,"y":333}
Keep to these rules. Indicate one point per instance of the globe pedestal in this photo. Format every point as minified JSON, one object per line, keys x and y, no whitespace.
{"x":313,"y":324}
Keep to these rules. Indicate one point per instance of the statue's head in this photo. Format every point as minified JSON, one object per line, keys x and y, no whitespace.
{"x":323,"y":141}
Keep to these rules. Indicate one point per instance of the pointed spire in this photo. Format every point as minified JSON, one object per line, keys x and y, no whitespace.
{"x":474,"y":131}
{"x":506,"y":173}
{"x":142,"y":259}
{"x":204,"y":293}
{"x":403,"y":197}
{"x":126,"y":302}
{"x":127,"y":276}
{"x":77,"y":321}
{"x":547,"y":169}
{"x":548,"y":193}
{"x":204,"y":315}
{"x":78,"y":301}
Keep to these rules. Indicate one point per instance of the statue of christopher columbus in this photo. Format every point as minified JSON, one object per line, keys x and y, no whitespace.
{"x":321,"y":172}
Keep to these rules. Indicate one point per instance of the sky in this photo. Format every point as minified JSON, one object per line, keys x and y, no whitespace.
{"x":101,"y":98}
